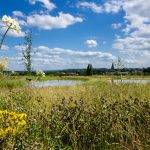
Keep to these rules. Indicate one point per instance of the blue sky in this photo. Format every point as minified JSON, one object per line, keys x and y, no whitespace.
{"x":73,"y":33}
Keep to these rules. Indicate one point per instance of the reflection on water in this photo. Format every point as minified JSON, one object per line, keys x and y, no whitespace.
{"x":131,"y":81}
{"x":55,"y":83}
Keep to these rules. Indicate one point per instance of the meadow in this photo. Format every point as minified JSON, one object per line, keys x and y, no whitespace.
{"x":95,"y":115}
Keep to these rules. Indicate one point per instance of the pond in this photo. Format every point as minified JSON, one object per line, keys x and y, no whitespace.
{"x":132,"y":81}
{"x":55,"y":83}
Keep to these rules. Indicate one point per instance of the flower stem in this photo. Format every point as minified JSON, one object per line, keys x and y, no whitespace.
{"x":4,"y":37}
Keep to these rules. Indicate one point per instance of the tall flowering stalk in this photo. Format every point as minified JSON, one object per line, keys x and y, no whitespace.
{"x":40,"y":73}
{"x":3,"y":65}
{"x":11,"y":24}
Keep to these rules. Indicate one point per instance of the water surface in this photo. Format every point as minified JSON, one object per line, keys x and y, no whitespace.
{"x":56,"y":83}
{"x":132,"y":81}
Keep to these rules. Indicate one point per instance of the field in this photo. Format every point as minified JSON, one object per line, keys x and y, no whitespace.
{"x":95,"y":115}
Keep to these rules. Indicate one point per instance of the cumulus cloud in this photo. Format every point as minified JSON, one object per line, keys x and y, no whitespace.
{"x":48,"y":22}
{"x":47,"y":58}
{"x":20,"y":47}
{"x":46,"y":3}
{"x":113,"y":6}
{"x":108,"y":7}
{"x":90,"y":5}
{"x":4,"y":47}
{"x":61,"y":51}
{"x":18,"y":14}
{"x":67,"y":58}
{"x":91,"y":43}
{"x":137,"y":28}
{"x":116,"y":25}
{"x":134,"y":44}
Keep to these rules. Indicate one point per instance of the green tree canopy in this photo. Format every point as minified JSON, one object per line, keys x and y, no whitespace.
{"x":89,"y":70}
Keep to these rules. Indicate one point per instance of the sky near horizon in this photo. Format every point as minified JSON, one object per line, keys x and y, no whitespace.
{"x":74,"y":33}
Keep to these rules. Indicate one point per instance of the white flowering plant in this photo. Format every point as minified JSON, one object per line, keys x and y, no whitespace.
{"x":3,"y":65}
{"x":13,"y":72}
{"x":11,"y":24}
{"x":40,"y":73}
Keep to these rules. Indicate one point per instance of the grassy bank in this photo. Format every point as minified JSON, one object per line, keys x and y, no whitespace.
{"x":93,"y":115}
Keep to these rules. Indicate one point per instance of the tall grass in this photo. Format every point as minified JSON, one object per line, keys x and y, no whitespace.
{"x":10,"y":82}
{"x":95,"y":115}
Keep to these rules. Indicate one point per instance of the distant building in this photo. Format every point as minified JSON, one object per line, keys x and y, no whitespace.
{"x":112,"y":67}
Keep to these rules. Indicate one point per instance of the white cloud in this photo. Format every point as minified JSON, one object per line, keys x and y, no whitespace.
{"x":60,"y":51}
{"x":20,"y":47}
{"x":47,"y":58}
{"x":18,"y":14}
{"x":110,"y":6}
{"x":116,"y":25}
{"x":42,"y":49}
{"x":137,"y":58}
{"x":90,"y":5}
{"x":134,"y":45}
{"x":15,"y":34}
{"x":66,"y":58}
{"x":46,"y":3}
{"x":137,"y":28}
{"x":113,"y":6}
{"x":4,"y":47}
{"x":91,"y":43}
{"x":48,"y":22}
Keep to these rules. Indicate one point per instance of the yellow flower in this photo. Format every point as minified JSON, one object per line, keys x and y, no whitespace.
{"x":21,"y":116}
{"x":22,"y":123}
{"x":9,"y":130}
{"x":2,"y":133}
{"x":12,"y":123}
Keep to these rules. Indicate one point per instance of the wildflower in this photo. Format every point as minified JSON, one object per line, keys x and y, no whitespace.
{"x":40,"y":73}
{"x":13,"y":72}
{"x":12,"y":123}
{"x":22,"y":123}
{"x":2,"y":133}
{"x":11,"y":24}
{"x":3,"y":64}
{"x":23,"y":115}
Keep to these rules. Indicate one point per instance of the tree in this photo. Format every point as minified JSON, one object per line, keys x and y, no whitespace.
{"x":89,"y":70}
{"x":27,"y":52}
{"x":120,"y":66}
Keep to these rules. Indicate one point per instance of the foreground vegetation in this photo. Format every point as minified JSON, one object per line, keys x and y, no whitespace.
{"x":94,"y":115}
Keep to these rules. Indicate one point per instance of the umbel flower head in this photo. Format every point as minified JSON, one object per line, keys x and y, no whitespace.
{"x":40,"y":73}
{"x":11,"y":23}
